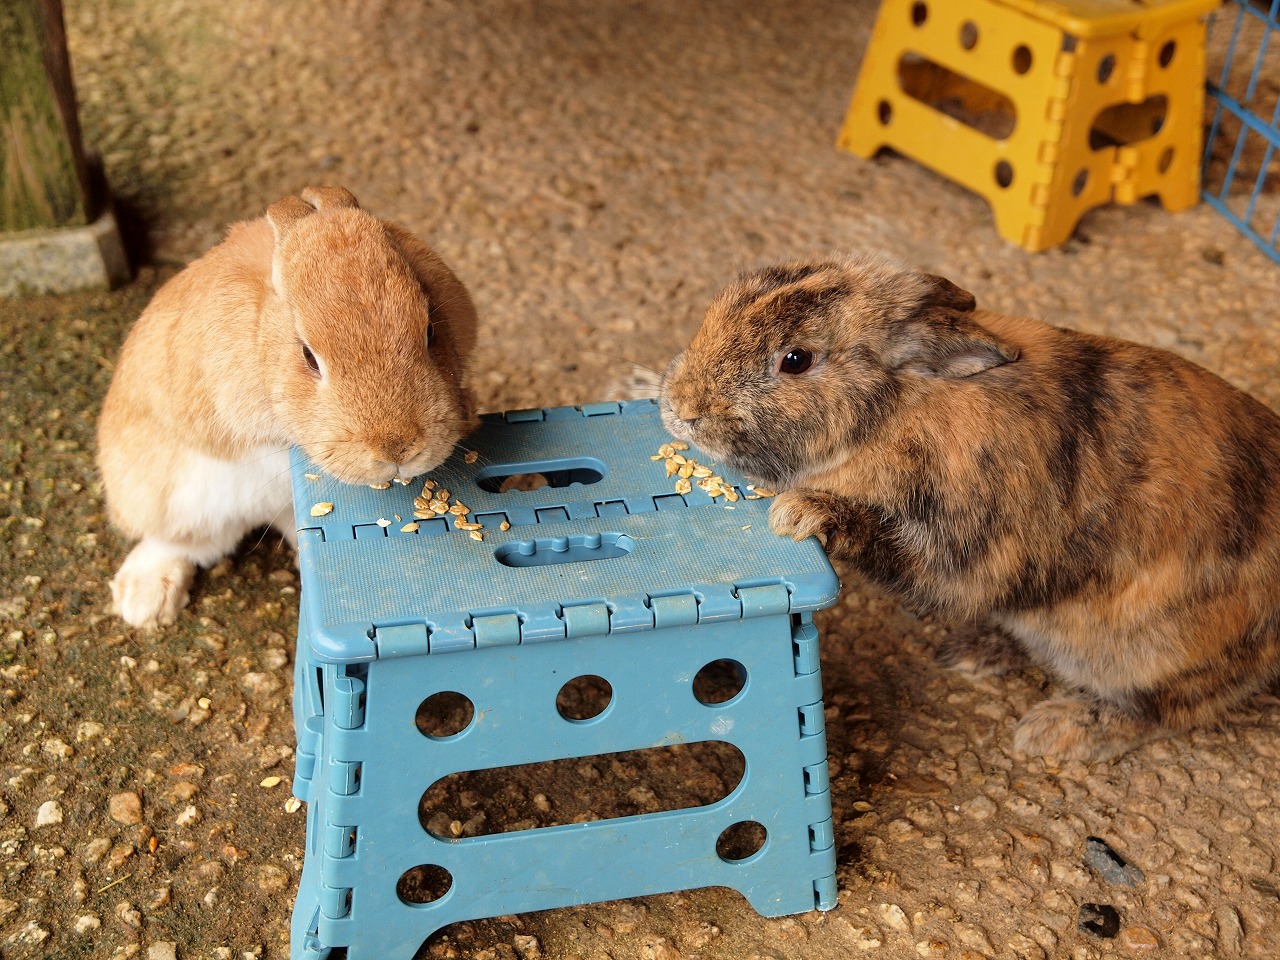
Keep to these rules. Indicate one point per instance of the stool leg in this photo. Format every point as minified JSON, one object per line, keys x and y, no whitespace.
{"x":863,"y":130}
{"x":1167,"y":164}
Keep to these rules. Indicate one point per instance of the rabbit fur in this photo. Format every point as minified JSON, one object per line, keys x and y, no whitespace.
{"x":317,"y":325}
{"x":1108,"y":509}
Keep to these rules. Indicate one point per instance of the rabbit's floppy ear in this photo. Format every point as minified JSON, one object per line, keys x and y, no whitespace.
{"x":938,"y":339}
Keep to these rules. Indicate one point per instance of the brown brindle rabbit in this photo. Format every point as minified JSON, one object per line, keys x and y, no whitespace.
{"x":1110,"y":507}
{"x":317,"y":325}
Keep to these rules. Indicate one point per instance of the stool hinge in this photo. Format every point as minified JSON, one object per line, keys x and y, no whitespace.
{"x":764,"y":601}
{"x":498,"y":630}
{"x":826,"y":893}
{"x":821,"y":836}
{"x":339,"y":841}
{"x":816,"y":779}
{"x":1136,"y":87}
{"x":674,"y":610}
{"x":405,"y":640}
{"x":335,"y":902}
{"x":804,"y":649}
{"x":812,"y":721}
{"x":524,"y":416}
{"x":348,"y":703}
{"x":586,"y":620}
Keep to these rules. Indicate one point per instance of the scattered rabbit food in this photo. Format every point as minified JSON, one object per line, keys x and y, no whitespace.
{"x":434,"y":502}
{"x":689,"y":472}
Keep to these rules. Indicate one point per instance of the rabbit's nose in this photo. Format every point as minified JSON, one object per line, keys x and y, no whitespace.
{"x":686,"y":411}
{"x":399,"y":450}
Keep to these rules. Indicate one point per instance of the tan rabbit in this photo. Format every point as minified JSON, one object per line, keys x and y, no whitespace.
{"x":1111,"y":509}
{"x":318,"y":325}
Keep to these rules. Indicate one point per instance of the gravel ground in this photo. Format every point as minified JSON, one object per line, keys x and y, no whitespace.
{"x":594,"y":172}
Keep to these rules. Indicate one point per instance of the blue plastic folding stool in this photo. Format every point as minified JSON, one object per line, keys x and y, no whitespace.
{"x":605,"y":571}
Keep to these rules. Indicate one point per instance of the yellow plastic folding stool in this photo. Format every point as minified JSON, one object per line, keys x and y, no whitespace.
{"x":1047,"y":108}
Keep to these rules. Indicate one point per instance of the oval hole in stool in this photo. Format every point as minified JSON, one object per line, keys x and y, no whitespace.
{"x":1105,"y":66}
{"x":1166,"y":53}
{"x":719,"y":682}
{"x":584,"y":698}
{"x":1004,"y":173}
{"x":977,"y":106}
{"x":444,"y":714}
{"x":1166,"y":158}
{"x":919,"y":14}
{"x":425,"y":883}
{"x":968,"y":34}
{"x":462,"y":807}
{"x":1079,"y":183}
{"x":741,"y":841}
{"x":1021,"y":59}
{"x":535,"y":474}
{"x":884,"y":111}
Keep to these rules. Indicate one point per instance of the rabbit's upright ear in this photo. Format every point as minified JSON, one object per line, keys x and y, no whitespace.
{"x":941,"y":294}
{"x":939,"y":339}
{"x":330,"y":198}
{"x":283,"y":214}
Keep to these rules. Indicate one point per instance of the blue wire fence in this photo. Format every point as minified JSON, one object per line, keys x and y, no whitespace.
{"x":1241,"y":158}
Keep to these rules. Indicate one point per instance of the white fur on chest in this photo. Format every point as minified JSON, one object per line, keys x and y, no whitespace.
{"x":225,"y":498}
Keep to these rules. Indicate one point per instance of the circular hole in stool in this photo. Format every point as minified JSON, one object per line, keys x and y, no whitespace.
{"x":968,"y":34}
{"x":919,"y":14}
{"x":1105,"y":67}
{"x":584,"y":698}
{"x":1166,"y":53}
{"x":884,"y":110}
{"x":719,"y":682}
{"x":741,"y":841}
{"x":425,"y":883}
{"x":1021,"y":59}
{"x":1166,"y":158}
{"x":1079,"y":183}
{"x":1004,"y":173}
{"x":444,"y":714}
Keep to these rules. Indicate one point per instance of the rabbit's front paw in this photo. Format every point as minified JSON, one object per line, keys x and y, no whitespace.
{"x":1078,"y":728}
{"x":151,"y":585}
{"x":800,"y":514}
{"x":979,"y":650}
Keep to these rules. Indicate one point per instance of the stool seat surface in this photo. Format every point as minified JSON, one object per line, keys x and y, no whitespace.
{"x":1095,"y":18}
{"x":610,"y":529}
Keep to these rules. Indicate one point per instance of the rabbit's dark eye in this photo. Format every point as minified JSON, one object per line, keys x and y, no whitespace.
{"x":796,"y":361}
{"x":431,"y":333}
{"x":310,"y":357}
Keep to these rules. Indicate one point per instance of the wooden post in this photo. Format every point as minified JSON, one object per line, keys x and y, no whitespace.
{"x":43,"y":178}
